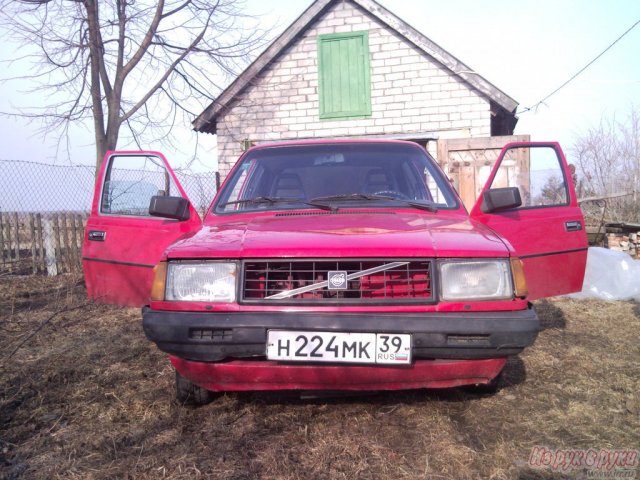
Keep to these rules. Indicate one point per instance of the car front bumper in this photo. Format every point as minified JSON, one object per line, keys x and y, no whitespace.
{"x":246,"y":375}
{"x":222,"y":336}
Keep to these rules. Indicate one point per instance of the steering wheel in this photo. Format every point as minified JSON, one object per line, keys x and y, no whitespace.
{"x":392,"y":193}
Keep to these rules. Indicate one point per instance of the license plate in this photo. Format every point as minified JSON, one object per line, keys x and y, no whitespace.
{"x":381,"y":348}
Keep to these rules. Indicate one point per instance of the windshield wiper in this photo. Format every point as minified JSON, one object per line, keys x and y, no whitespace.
{"x":274,"y":200}
{"x":347,"y":196}
{"x":430,"y":207}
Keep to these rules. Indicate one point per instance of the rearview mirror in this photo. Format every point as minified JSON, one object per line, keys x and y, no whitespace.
{"x":176,"y":208}
{"x":497,"y":199}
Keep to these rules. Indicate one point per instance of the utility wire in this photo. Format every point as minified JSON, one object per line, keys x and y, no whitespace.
{"x":581,"y":70}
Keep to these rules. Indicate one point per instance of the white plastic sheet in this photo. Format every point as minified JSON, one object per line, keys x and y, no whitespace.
{"x":610,"y":275}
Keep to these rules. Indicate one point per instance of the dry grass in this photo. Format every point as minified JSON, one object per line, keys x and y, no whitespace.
{"x":87,"y":396}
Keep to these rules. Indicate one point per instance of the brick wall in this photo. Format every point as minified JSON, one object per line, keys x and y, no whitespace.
{"x":410,"y":93}
{"x":624,"y":243}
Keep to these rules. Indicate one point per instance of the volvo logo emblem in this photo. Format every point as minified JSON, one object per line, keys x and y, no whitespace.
{"x":337,"y":280}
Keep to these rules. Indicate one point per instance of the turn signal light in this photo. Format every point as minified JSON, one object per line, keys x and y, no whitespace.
{"x":159,"y":282}
{"x":519,"y":280}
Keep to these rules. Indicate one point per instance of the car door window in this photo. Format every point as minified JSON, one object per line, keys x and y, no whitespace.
{"x":130,"y":183}
{"x":538,"y":174}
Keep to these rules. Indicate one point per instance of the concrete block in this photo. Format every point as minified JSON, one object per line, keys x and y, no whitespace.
{"x":325,"y":30}
{"x":333,"y":22}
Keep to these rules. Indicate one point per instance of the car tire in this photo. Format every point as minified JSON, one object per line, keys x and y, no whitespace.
{"x":188,"y":393}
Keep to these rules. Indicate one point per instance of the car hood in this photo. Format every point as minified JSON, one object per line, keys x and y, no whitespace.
{"x":341,"y":234}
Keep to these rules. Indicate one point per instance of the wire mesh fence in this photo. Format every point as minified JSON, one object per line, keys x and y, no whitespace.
{"x":44,"y":208}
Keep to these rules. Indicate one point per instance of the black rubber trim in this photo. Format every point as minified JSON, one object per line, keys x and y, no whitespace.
{"x":451,"y":335}
{"x":115,"y":262}
{"x":547,"y":254}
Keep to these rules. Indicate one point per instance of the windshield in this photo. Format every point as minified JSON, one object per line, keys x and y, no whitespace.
{"x":335,"y":175}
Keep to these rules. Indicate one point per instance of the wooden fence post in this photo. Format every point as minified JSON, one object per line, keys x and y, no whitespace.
{"x":41,"y":241}
{"x":8,"y":239}
{"x":57,"y":243}
{"x":50,"y":247}
{"x":77,"y":232}
{"x":32,"y":231}
{"x":17,"y":246}
{"x":67,"y":245}
{"x":73,"y":241}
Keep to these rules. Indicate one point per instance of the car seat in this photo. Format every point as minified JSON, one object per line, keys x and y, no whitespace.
{"x":288,"y":185}
{"x":377,"y":180}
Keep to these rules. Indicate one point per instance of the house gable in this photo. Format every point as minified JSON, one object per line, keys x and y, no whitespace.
{"x":206,"y":121}
{"x":412,"y":93}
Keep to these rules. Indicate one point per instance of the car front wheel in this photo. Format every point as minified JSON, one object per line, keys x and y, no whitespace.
{"x":188,"y":393}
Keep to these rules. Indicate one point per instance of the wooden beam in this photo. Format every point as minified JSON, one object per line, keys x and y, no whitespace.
{"x":605,"y":197}
{"x":483,"y":143}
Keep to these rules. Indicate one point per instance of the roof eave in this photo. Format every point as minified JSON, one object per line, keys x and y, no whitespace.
{"x":205,"y":121}
{"x":434,"y":50}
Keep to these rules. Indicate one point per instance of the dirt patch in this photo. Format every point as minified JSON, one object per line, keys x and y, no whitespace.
{"x":85,"y":395}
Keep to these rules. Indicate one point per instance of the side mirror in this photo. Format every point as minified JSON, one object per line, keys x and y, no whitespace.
{"x":176,"y":208}
{"x":497,"y":199}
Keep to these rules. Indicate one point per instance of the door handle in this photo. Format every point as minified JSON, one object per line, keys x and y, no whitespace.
{"x":97,"y":235}
{"x":573,"y":226}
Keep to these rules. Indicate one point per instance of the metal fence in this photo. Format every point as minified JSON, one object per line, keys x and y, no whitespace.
{"x":43,"y":211}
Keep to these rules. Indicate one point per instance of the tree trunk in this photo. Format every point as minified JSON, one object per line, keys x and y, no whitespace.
{"x":104,"y":143}
{"x":101,"y":149}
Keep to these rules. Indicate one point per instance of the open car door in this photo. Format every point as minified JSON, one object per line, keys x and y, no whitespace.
{"x":122,"y":241}
{"x":530,"y":201}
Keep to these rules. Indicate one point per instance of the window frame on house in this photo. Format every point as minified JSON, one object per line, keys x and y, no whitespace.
{"x":327,"y":93}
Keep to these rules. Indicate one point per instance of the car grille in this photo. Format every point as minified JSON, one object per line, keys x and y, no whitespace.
{"x":386,"y":281}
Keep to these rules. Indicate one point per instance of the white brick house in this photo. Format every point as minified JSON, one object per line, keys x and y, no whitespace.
{"x":351,"y":68}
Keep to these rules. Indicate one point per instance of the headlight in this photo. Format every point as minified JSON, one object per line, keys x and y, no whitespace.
{"x":475,"y":280}
{"x":201,"y":282}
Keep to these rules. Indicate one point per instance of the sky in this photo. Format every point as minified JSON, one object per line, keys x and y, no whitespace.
{"x":525,"y":48}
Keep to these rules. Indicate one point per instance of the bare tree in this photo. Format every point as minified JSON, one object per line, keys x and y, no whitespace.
{"x":131,"y":67}
{"x":608,"y":161}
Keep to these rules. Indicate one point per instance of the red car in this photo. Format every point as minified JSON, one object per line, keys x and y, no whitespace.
{"x":336,"y":265}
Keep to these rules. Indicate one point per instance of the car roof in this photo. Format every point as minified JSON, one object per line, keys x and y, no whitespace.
{"x":328,"y":141}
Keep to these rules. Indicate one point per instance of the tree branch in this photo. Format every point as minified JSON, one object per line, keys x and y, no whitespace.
{"x":124,"y":63}
{"x":104,"y":77}
{"x":144,"y":45}
{"x":168,"y":72}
